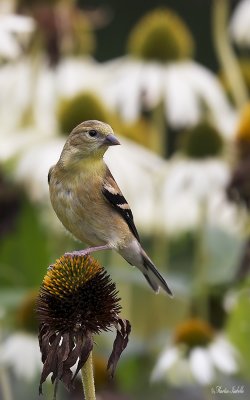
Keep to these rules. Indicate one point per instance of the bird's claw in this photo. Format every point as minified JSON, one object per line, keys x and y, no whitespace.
{"x":80,"y":253}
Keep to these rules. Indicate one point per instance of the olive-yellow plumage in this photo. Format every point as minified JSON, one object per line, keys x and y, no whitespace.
{"x":89,"y":203}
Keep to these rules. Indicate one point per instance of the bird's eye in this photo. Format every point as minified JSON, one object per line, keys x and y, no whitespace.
{"x":92,"y":133}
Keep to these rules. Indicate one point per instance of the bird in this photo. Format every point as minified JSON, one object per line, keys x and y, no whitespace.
{"x":90,"y":204}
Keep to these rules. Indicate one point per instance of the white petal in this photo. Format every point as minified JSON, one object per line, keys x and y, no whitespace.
{"x":9,"y":47}
{"x":207,"y":89}
{"x":165,"y":362}
{"x":240,"y":23}
{"x":224,"y":355}
{"x":21,"y":352}
{"x":33,"y":166}
{"x":125,"y":91}
{"x":45,"y":100}
{"x":151,"y":84}
{"x":182,"y":106}
{"x":187,"y":184}
{"x":180,"y":373}
{"x":74,"y":75}
{"x":17,"y":23}
{"x":15,"y":78}
{"x":201,"y":366}
{"x":225,"y":214}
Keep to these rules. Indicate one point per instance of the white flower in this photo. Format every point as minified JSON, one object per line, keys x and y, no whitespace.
{"x":14,"y":31}
{"x":15,"y":82}
{"x":33,"y":166}
{"x":20,"y":352}
{"x":185,"y":87}
{"x":191,"y":187}
{"x":240,"y":24}
{"x":74,"y":75}
{"x":38,"y":90}
{"x":28,"y":90}
{"x":199,"y":365}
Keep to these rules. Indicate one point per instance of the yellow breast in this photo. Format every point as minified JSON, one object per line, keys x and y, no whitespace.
{"x":77,"y":199}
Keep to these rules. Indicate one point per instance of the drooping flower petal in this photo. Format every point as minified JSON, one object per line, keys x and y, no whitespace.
{"x":240,"y":24}
{"x":224,"y":355}
{"x":165,"y":362}
{"x":123,"y":330}
{"x":201,"y":365}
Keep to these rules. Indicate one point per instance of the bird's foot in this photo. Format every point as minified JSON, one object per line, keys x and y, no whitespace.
{"x":80,"y":253}
{"x":85,"y":252}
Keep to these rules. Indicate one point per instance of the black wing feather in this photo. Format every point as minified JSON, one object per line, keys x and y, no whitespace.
{"x":118,"y":201}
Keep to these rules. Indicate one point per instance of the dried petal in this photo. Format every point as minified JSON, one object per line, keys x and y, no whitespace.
{"x":120,"y":343}
{"x":86,"y":348}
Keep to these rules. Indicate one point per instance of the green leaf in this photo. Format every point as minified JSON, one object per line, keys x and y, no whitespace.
{"x":238,"y":328}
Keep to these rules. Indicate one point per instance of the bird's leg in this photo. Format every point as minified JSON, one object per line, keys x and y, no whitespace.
{"x":87,"y":251}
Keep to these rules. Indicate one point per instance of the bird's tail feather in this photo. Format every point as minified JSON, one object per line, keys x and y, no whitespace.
{"x":153,"y":276}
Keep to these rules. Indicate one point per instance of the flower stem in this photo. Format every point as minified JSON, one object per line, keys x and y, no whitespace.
{"x":225,"y":52}
{"x":160,"y":144}
{"x":200,"y":268}
{"x":5,"y":385}
{"x":88,"y":379}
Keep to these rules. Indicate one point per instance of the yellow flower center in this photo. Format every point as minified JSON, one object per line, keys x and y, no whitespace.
{"x":161,"y":35}
{"x":26,"y":317}
{"x":243,"y":131}
{"x":69,"y":274}
{"x":194,"y":332}
{"x":82,"y":107}
{"x":202,"y":141}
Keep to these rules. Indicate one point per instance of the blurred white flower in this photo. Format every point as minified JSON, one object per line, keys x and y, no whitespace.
{"x":192,"y":187}
{"x":184,"y":86}
{"x":28,"y":90}
{"x":200,"y":364}
{"x":33,"y":166}
{"x":38,"y":89}
{"x":20,"y":352}
{"x":14,"y":32}
{"x":240,"y":24}
{"x":74,"y":75}
{"x":15,"y":83}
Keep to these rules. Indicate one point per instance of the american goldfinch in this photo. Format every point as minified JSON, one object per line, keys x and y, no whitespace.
{"x":89,"y":203}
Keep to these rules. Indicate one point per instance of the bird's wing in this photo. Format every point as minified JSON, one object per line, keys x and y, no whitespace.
{"x":113,"y":194}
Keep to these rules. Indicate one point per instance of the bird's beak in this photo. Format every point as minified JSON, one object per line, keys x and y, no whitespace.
{"x":111,"y":140}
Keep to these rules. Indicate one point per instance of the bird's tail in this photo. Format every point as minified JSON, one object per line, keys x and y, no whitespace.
{"x":153,"y":276}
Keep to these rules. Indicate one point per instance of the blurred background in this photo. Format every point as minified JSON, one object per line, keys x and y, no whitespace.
{"x":173,"y":80}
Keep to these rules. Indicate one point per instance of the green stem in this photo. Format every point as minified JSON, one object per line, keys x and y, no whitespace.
{"x":88,"y":379}
{"x":226,"y":53}
{"x":160,"y":239}
{"x":200,"y":268}
{"x":5,"y":385}
{"x":159,"y":143}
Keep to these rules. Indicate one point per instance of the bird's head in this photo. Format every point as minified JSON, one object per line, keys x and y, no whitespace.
{"x":89,"y":139}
